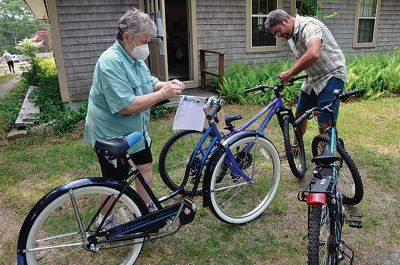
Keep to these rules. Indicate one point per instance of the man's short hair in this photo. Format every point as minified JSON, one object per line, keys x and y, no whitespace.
{"x":274,"y":18}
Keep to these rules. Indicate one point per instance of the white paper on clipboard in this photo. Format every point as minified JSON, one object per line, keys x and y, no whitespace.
{"x":189,"y":115}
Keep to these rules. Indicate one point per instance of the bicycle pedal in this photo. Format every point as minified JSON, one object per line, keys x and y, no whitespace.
{"x":355,"y":221}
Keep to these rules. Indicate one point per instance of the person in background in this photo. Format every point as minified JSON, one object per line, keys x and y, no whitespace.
{"x":9,"y":60}
{"x":122,"y":93}
{"x":318,"y":54}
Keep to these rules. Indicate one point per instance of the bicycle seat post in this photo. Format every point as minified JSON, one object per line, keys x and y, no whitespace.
{"x":130,"y":162}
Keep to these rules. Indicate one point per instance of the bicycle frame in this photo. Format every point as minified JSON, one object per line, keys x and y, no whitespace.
{"x":276,"y":106}
{"x":141,"y":225}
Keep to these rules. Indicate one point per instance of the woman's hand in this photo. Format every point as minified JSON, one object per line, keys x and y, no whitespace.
{"x":171,"y":90}
{"x":179,"y":83}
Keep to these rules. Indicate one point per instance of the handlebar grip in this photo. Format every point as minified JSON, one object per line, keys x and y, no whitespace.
{"x":248,"y":89}
{"x":214,"y":109}
{"x":306,"y":114}
{"x":351,"y":93}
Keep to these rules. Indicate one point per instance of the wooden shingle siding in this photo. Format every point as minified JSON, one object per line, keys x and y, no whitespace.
{"x":342,"y":25}
{"x":87,"y":29}
{"x":221,"y":26}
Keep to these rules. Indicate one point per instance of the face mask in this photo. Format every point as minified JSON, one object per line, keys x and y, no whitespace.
{"x":140,"y":52}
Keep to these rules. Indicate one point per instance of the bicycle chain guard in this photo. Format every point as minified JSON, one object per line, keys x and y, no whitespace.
{"x":188,"y":211}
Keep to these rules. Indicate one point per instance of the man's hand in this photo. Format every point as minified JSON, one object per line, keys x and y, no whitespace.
{"x":285,"y":76}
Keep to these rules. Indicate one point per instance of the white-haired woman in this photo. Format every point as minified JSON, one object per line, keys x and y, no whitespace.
{"x":122,"y":93}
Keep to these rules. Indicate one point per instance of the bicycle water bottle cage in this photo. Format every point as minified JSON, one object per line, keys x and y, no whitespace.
{"x":116,"y":146}
{"x":326,"y":157}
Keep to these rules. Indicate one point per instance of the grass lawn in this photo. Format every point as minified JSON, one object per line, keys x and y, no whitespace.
{"x":31,"y":167}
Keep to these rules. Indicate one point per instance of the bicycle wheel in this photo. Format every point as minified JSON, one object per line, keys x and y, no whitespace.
{"x":231,"y":198}
{"x":175,"y":156}
{"x":321,"y":236}
{"x":349,"y":182}
{"x":295,"y":154}
{"x":54,"y":230}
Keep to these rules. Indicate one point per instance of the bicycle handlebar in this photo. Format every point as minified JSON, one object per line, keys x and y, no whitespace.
{"x":345,"y":95}
{"x":162,"y":102}
{"x":340,"y":97}
{"x":262,"y":87}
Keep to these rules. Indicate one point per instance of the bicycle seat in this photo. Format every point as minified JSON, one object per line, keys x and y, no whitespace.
{"x":116,"y":146}
{"x":229,"y":119}
{"x":326,"y":157}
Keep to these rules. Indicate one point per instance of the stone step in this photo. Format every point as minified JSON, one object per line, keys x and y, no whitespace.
{"x":28,"y":113}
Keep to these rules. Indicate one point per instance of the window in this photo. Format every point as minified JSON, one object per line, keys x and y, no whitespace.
{"x":366,"y":23}
{"x":258,"y":39}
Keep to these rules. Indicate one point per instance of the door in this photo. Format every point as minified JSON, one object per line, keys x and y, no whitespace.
{"x":158,"y":47}
{"x":177,"y":25}
{"x":173,"y":54}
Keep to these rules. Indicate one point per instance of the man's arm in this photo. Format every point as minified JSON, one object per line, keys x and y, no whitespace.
{"x":306,"y":60}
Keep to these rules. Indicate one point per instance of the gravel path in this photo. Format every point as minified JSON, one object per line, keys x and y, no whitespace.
{"x":9,"y":85}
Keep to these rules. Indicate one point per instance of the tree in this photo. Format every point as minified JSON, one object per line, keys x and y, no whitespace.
{"x":29,"y":48}
{"x":16,"y":23}
{"x":43,"y":37}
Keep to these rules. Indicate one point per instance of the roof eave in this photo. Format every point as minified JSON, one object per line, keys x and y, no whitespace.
{"x":39,"y":9}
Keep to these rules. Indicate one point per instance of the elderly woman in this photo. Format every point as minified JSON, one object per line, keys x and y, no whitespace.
{"x":122,"y":93}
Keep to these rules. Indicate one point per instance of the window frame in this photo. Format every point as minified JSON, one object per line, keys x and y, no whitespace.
{"x":372,"y":44}
{"x":259,"y":49}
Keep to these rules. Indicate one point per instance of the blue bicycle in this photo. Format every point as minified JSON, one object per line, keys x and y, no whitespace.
{"x":242,"y":179}
{"x":178,"y":149}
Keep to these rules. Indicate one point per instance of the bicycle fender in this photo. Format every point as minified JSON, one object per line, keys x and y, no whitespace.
{"x":237,"y":136}
{"x":55,"y":193}
{"x":214,"y":157}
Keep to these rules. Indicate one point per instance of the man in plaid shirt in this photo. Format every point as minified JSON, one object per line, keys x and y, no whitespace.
{"x":318,"y":54}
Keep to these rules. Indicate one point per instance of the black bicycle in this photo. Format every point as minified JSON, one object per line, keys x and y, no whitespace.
{"x":64,"y":226}
{"x":177,"y":151}
{"x":328,"y":191}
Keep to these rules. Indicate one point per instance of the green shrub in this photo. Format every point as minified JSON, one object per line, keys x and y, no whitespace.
{"x":240,"y":76}
{"x":43,"y":73}
{"x":11,"y":105}
{"x":159,"y":112}
{"x":378,"y":73}
{"x":69,"y":118}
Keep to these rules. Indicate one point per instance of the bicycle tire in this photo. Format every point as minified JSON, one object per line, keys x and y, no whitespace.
{"x":321,"y":236}
{"x":351,"y":187}
{"x":245,"y":201}
{"x":297,"y":159}
{"x":52,"y":222}
{"x":172,"y":165}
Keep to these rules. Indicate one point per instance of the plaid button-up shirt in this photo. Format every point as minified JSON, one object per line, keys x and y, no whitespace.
{"x":331,"y":62}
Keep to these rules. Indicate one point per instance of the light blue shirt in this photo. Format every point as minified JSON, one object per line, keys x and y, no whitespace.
{"x":117,"y":80}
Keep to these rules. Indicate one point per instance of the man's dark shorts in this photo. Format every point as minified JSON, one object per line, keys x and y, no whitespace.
{"x":121,"y":172}
{"x":324,"y":98}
